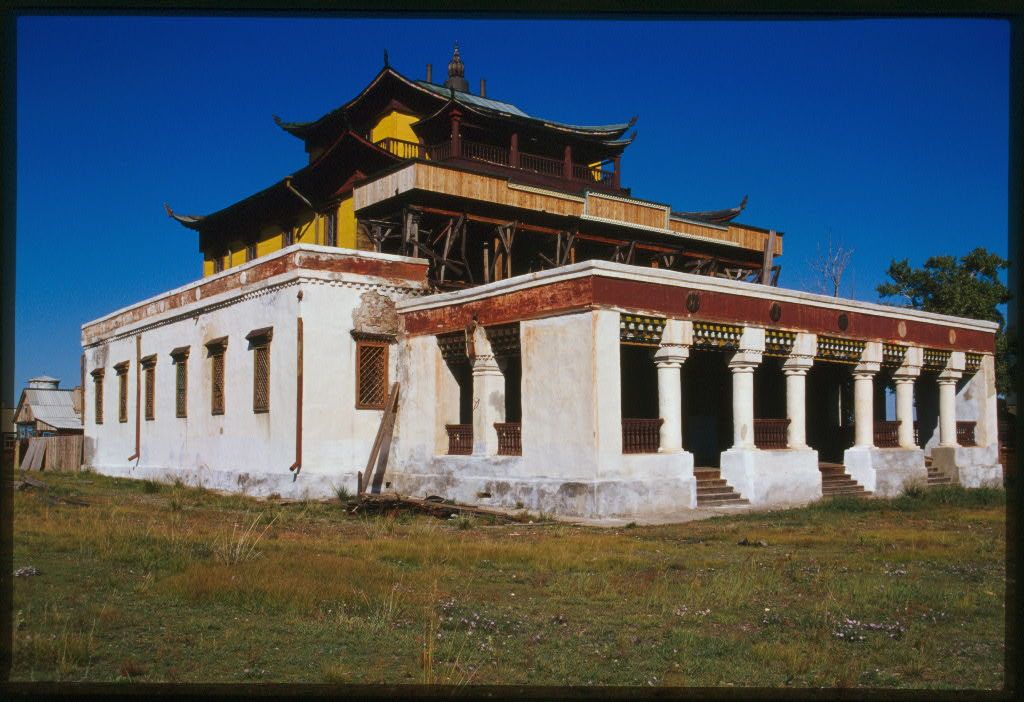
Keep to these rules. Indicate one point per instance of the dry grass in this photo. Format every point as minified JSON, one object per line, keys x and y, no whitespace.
{"x":179,"y":584}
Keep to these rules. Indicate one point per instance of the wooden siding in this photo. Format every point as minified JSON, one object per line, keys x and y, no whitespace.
{"x":646,"y":214}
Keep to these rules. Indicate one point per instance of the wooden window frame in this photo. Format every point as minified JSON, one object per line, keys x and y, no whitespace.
{"x":122,"y":391}
{"x":259,"y":343}
{"x":218,"y":263}
{"x":250,"y":251}
{"x":216,"y":350}
{"x":97,"y":398}
{"x":288,"y":237}
{"x":149,"y":372}
{"x":364,"y":340}
{"x":179,"y":357}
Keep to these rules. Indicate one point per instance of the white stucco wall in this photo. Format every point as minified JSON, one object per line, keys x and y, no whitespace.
{"x":242,"y":450}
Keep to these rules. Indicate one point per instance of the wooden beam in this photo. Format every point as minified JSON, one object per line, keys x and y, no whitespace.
{"x":769,"y":253}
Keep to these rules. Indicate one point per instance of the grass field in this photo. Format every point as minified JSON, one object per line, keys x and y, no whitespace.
{"x":153,"y":582}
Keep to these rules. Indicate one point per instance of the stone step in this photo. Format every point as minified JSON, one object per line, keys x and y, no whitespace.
{"x":719,"y":491}
{"x":705,"y":484}
{"x":847,"y":493}
{"x":728,"y":502}
{"x":940,"y":481}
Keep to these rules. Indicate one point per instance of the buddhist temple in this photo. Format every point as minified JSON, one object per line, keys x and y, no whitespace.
{"x":455,"y":299}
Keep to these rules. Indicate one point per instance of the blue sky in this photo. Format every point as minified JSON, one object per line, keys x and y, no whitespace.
{"x":890,"y":134}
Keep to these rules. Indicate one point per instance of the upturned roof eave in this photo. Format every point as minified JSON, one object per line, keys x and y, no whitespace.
{"x":201,"y":222}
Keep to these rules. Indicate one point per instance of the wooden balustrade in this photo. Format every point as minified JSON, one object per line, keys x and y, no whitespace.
{"x":887,"y":434}
{"x":501,"y":156}
{"x":965,"y":433}
{"x":552,"y":167}
{"x":770,"y":433}
{"x":402,"y":148}
{"x":510,"y":438}
{"x":485,"y":152}
{"x":460,"y":439}
{"x":641,"y":435}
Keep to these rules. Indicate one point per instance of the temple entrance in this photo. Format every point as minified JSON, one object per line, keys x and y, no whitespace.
{"x":707,"y":406}
{"x":830,"y":410}
{"x":639,"y":382}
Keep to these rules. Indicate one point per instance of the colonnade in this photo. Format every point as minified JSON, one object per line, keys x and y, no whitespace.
{"x":675,"y":348}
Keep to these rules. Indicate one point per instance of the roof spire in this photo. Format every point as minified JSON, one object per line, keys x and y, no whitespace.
{"x":456,"y":73}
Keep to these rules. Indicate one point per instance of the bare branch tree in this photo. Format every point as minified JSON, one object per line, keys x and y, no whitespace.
{"x":829,"y":264}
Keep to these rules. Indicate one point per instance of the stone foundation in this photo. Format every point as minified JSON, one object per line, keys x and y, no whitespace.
{"x":886,"y":472}
{"x":969,"y":466}
{"x":781,"y":477}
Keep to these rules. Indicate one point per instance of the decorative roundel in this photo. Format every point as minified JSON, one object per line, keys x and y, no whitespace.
{"x":901,"y":329}
{"x":775,"y":312}
{"x":952,"y":336}
{"x":844,"y":321}
{"x":693,"y":301}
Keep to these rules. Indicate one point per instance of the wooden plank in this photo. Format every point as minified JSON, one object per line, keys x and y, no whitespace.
{"x":387,"y":423}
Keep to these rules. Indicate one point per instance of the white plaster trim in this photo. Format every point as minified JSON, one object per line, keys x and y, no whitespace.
{"x":233,"y":297}
{"x":311,"y":248}
{"x":545,"y":191}
{"x":661,"y":276}
{"x":670,"y":232}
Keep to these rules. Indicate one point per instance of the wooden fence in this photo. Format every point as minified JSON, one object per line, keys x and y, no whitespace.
{"x":58,"y":453}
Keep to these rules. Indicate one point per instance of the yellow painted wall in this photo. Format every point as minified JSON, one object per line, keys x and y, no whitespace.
{"x":311,"y":231}
{"x":346,"y":224}
{"x":395,"y":125}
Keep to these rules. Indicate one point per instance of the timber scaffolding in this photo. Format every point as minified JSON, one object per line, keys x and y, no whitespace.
{"x":466,"y":248}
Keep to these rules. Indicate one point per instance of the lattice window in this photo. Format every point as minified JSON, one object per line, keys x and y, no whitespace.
{"x":638,"y":330}
{"x":716,"y":336}
{"x":371,"y":374}
{"x":778,"y":343}
{"x":216,"y":349}
{"x":181,"y":386}
{"x":149,"y":368}
{"x":122,"y":391}
{"x":97,"y":400}
{"x":261,"y":379}
{"x":331,"y":229}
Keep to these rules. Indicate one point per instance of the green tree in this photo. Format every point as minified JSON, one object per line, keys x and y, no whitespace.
{"x":965,"y":287}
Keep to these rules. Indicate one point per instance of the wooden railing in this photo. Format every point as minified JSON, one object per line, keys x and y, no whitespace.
{"x":965,"y":433}
{"x":499,"y":156}
{"x":460,"y":439}
{"x":641,"y":435}
{"x":887,"y":434}
{"x":485,"y":152}
{"x":770,"y":433}
{"x":402,"y":148}
{"x":592,"y":174}
{"x":510,"y":438}
{"x":541,"y":164}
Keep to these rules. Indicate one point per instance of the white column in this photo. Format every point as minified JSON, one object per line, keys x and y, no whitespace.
{"x":742,"y":365}
{"x":669,"y":358}
{"x":796,"y":406}
{"x":742,"y":403}
{"x":905,"y":409}
{"x":863,"y":409}
{"x":488,"y":396}
{"x":947,"y":408}
{"x":795,"y":367}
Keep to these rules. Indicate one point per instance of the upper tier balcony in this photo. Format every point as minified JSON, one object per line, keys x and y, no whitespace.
{"x":540,"y":170}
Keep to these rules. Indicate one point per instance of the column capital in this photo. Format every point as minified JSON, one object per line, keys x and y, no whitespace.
{"x":797,"y":364}
{"x":949,"y":377}
{"x":743,"y":361}
{"x":675,"y":354}
{"x":868,"y":370}
{"x":900,"y":378}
